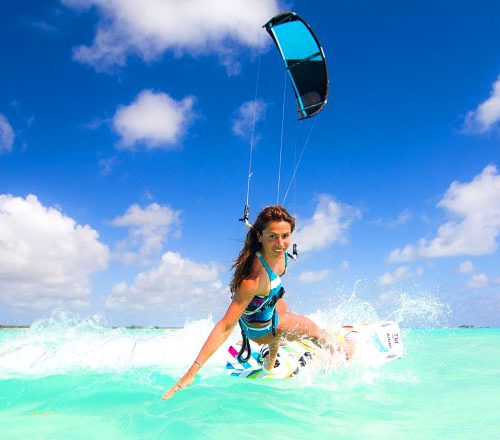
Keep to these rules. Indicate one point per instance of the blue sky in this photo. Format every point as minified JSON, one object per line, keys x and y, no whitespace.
{"x":124,"y":146}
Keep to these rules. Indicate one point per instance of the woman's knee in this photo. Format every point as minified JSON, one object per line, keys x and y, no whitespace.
{"x":281,"y":306}
{"x":301,"y":325}
{"x":291,"y":321}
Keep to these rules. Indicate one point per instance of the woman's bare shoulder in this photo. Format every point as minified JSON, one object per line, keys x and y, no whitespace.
{"x":252,"y":284}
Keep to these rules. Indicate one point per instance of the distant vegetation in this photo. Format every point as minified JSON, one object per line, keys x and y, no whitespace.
{"x":14,"y":326}
{"x":129,"y":327}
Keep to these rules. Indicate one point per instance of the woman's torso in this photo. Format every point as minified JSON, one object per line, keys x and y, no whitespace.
{"x":258,"y":312}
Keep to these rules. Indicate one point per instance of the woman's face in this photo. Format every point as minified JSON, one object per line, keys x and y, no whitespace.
{"x":275,"y":238}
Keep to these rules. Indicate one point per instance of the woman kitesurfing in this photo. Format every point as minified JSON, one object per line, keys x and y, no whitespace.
{"x":257,"y":303}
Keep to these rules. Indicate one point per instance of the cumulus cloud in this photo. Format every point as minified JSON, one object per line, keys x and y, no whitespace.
{"x":399,"y":274}
{"x":309,"y":277}
{"x":478,"y":281}
{"x":177,"y":283}
{"x":46,"y":258}
{"x":475,"y":207}
{"x":487,"y":114}
{"x":149,"y":28}
{"x":245,"y":118}
{"x":328,"y":225}
{"x":465,"y":267}
{"x":154,"y":119}
{"x":148,"y":228}
{"x":6,"y":135}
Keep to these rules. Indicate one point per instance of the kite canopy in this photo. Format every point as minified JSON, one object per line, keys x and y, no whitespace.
{"x":304,"y":60}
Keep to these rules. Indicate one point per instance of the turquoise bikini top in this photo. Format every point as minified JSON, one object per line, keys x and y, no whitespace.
{"x":261,"y":308}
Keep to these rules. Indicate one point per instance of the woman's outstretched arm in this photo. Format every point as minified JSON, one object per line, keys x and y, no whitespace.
{"x":219,"y":333}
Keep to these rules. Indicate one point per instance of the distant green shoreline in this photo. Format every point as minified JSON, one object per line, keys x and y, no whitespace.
{"x":8,"y":327}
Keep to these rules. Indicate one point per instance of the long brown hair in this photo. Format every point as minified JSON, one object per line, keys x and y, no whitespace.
{"x":243,"y":264}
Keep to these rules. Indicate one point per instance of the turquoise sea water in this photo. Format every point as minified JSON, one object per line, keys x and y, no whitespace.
{"x":78,"y":380}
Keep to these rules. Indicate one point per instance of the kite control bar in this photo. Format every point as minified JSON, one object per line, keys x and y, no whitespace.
{"x":295,"y":254}
{"x":246,"y":216}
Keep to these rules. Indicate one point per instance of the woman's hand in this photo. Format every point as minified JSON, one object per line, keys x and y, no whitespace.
{"x":184,"y":382}
{"x":217,"y":336}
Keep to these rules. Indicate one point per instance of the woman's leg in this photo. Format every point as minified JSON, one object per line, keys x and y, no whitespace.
{"x":270,"y":360}
{"x":281,"y":307}
{"x":292,"y":327}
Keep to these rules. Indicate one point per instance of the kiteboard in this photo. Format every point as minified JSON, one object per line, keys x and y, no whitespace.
{"x":376,"y":344}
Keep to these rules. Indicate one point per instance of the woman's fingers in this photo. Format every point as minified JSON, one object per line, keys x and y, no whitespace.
{"x":171,"y":391}
{"x":182,"y":383}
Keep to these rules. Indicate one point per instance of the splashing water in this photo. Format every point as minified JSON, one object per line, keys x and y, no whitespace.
{"x":409,"y":310}
{"x":422,"y":309}
{"x":65,"y":343}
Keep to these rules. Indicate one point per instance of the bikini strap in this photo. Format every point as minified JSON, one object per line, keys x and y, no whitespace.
{"x":269,"y":271}
{"x":271,"y":274}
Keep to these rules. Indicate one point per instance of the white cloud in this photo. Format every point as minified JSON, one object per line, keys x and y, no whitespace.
{"x":246,"y":117}
{"x":6,"y":135}
{"x":345,"y":265}
{"x":328,"y":225}
{"x":309,"y":277}
{"x":153,"y":119}
{"x":408,"y":253}
{"x":399,"y":274}
{"x":487,"y":114}
{"x":476,"y":207}
{"x":177,"y":283}
{"x":403,"y":217}
{"x":46,"y":258}
{"x":148,"y":28}
{"x":478,"y":281}
{"x":148,"y":228}
{"x":465,"y":267}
